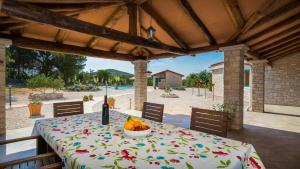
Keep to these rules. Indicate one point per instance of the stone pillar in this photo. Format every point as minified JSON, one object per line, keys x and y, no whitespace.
{"x":140,"y":93}
{"x":234,"y":83}
{"x":258,"y":85}
{"x":3,"y":44}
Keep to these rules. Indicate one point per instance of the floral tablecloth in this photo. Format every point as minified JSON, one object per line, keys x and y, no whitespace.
{"x":84,"y":143}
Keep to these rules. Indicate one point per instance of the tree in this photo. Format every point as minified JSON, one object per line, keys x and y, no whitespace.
{"x":19,"y":62}
{"x":68,"y":66}
{"x":103,"y":76}
{"x":25,"y":63}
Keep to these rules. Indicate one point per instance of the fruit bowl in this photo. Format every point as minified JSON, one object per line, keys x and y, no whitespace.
{"x":136,"y":128}
{"x":137,"y":134}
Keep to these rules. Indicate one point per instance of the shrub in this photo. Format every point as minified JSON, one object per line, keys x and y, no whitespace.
{"x":85,"y":98}
{"x":82,"y":87}
{"x":179,"y":88}
{"x":42,"y":82}
{"x":168,"y":89}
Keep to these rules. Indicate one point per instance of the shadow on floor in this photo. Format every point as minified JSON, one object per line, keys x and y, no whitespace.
{"x":278,"y":149}
{"x":14,"y":156}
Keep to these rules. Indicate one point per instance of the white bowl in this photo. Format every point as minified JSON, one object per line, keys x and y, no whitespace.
{"x":137,"y":134}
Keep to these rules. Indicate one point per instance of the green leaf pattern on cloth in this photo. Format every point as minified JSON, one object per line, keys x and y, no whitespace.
{"x":84,"y":143}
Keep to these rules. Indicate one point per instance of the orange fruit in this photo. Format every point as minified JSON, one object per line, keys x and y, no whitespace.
{"x":129,"y":126}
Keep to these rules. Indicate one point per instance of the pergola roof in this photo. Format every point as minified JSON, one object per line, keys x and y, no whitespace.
{"x":116,"y":29}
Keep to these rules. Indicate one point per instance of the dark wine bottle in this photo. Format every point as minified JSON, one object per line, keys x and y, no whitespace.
{"x":105,"y":112}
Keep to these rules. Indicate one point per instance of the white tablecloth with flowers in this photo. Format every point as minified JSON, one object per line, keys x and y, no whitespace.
{"x":84,"y":143}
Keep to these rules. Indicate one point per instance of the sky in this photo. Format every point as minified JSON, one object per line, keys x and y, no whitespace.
{"x":184,"y":64}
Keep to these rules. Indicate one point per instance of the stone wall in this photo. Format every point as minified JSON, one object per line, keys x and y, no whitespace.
{"x":173,"y":79}
{"x":3,"y":44}
{"x":282,"y":81}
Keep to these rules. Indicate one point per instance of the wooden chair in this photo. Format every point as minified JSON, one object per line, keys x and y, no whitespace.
{"x":153,"y":111}
{"x":67,"y":108}
{"x":209,"y":121}
{"x":44,"y":159}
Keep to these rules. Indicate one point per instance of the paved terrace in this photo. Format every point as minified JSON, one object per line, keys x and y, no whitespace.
{"x":274,"y":136}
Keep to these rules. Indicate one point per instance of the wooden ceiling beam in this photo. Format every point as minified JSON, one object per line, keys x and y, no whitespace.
{"x":235,"y":13}
{"x":109,"y":23}
{"x":115,"y":47}
{"x":254,"y":18}
{"x":163,"y":24}
{"x":282,"y":49}
{"x":283,"y":42}
{"x":293,"y":5}
{"x":61,"y":35}
{"x":276,"y":57}
{"x":287,"y":22}
{"x":21,"y":23}
{"x":276,"y":37}
{"x":64,"y":48}
{"x":189,"y":10}
{"x":69,"y":1}
{"x":282,"y":52}
{"x":37,"y":14}
{"x":133,"y":12}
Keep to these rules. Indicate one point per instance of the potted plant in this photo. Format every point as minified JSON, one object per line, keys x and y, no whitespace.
{"x":228,"y":110}
{"x":35,"y":107}
{"x":111,"y":102}
{"x":91,"y":97}
{"x":85,"y":98}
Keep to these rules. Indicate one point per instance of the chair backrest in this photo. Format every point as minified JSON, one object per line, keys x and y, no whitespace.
{"x":209,"y":121}
{"x":153,"y":111}
{"x":67,"y":108}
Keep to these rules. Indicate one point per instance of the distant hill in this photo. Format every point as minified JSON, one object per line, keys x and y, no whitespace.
{"x":115,"y":72}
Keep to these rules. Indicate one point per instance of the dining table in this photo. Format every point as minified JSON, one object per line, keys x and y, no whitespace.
{"x":82,"y":142}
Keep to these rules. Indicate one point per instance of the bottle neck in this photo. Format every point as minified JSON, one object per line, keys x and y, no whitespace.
{"x":105,"y":99}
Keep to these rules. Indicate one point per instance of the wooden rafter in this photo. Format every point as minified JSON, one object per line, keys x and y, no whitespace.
{"x":133,"y":12}
{"x":210,"y":48}
{"x":283,"y":52}
{"x":235,"y":13}
{"x":276,"y":57}
{"x":292,"y":20}
{"x":293,"y":5}
{"x":68,"y":1}
{"x":252,"y":54}
{"x":282,"y":49}
{"x":109,"y":23}
{"x":115,"y":47}
{"x":188,"y":8}
{"x":36,"y":14}
{"x":64,"y":48}
{"x":281,"y":42}
{"x":266,"y":42}
{"x":22,"y":24}
{"x":254,"y":18}
{"x":163,"y":24}
{"x":61,"y":35}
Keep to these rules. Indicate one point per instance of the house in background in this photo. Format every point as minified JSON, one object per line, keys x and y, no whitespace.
{"x":217,"y":70}
{"x":167,"y":78}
